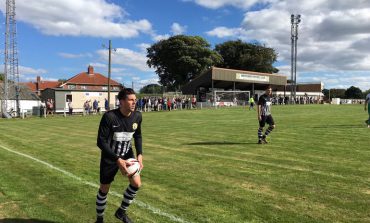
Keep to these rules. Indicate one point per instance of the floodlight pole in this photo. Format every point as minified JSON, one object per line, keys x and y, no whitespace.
{"x":295,"y":20}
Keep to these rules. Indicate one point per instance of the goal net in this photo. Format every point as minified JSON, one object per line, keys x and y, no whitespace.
{"x":228,"y":98}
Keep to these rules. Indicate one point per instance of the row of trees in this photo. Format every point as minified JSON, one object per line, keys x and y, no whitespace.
{"x":349,"y":93}
{"x":181,"y":58}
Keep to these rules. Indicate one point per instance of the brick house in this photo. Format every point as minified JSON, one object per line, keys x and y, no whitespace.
{"x":85,"y":86}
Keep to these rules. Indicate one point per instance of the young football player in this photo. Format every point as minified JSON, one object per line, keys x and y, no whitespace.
{"x":117,"y":128}
{"x":264,"y":115}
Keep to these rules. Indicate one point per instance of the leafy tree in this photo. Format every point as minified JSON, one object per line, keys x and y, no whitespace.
{"x":366,"y":93}
{"x":1,"y":76}
{"x":247,"y":56}
{"x":62,"y":80}
{"x":180,"y":59}
{"x":353,"y":92}
{"x":151,"y":89}
{"x":326,"y":93}
{"x":337,"y":93}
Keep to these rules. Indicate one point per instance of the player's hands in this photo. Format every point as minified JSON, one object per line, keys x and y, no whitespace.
{"x":122,"y":166}
{"x":140,"y":159}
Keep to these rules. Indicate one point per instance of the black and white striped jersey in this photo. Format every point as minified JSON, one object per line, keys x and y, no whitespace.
{"x":116,"y":133}
{"x":265,"y":102}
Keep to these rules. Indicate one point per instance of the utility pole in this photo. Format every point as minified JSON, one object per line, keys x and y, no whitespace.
{"x":295,"y":20}
{"x":11,"y":72}
{"x":109,"y":67}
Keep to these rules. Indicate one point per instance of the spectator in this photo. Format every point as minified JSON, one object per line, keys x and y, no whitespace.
{"x":70,"y":107}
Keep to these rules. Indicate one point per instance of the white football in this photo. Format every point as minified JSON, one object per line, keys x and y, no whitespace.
{"x":134,"y":169}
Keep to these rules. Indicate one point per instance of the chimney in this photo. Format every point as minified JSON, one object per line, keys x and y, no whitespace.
{"x":38,"y":80}
{"x":90,"y":70}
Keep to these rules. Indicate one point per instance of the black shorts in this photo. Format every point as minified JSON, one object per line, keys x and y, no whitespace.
{"x":266,"y":119}
{"x":109,"y":169}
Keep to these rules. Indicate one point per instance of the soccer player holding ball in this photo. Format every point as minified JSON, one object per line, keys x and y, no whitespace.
{"x":264,"y":115}
{"x":117,"y":128}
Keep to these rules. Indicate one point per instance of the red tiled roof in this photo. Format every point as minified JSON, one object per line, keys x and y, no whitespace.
{"x":91,"y":79}
{"x":42,"y":85}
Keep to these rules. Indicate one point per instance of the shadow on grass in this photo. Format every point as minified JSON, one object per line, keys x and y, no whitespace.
{"x":19,"y":220}
{"x":218,"y":143}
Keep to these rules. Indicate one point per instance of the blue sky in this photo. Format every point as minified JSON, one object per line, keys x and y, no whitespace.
{"x":58,"y":39}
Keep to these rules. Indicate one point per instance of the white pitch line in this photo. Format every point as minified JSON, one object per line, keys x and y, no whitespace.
{"x":71,"y":175}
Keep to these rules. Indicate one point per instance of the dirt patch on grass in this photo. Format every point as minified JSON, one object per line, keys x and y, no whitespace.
{"x":7,"y":208}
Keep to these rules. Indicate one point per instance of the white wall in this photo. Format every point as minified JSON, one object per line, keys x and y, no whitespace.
{"x":23,"y":104}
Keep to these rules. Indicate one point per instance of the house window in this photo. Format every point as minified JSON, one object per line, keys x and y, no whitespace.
{"x":83,"y":87}
{"x":104,"y":88}
{"x":115,"y":88}
{"x":71,"y":87}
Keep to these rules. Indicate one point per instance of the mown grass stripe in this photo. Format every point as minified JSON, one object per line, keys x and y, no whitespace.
{"x":71,"y":175}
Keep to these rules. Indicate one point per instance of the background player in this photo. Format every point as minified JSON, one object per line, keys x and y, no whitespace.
{"x":367,"y":107}
{"x":117,"y":128}
{"x":264,"y":115}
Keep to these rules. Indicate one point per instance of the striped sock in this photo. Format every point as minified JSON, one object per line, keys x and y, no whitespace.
{"x":101,"y":203}
{"x":260,"y":133}
{"x":128,"y":196}
{"x":268,"y":130}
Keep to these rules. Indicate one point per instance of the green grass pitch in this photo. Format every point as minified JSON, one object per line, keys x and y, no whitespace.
{"x":200,"y":166}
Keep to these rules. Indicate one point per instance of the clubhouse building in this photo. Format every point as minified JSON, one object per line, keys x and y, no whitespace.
{"x":215,"y":79}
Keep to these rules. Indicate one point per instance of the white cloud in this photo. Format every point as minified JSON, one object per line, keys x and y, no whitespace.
{"x":74,"y":56}
{"x":338,"y":79}
{"x":224,"y":32}
{"x":29,"y":70}
{"x":127,"y":57}
{"x":143,"y":47}
{"x":97,"y":65}
{"x":160,"y":37}
{"x":33,"y":78}
{"x":118,"y":70}
{"x":215,"y":4}
{"x":140,"y":83}
{"x":97,"y":18}
{"x":177,"y":29}
{"x":29,"y":73}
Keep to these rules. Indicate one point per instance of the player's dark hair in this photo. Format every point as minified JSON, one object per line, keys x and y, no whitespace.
{"x":125,"y":92}
{"x":268,"y":87}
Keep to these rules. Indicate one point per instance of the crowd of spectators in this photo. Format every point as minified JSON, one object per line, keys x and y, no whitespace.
{"x":151,"y":103}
